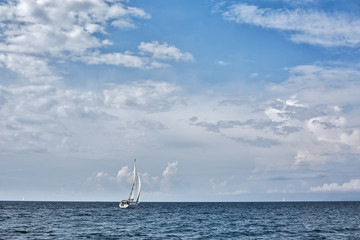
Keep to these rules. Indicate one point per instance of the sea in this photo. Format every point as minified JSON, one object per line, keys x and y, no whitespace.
{"x":180,"y":220}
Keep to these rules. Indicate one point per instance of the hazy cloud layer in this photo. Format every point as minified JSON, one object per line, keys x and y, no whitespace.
{"x":292,"y":129}
{"x":44,"y":117}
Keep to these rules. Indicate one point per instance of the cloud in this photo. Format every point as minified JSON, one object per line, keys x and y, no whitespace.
{"x":325,"y":117}
{"x":119,"y":59}
{"x":54,"y":27}
{"x":217,"y":184}
{"x":170,"y":170}
{"x":224,"y":128}
{"x":257,"y":141}
{"x":101,"y":174}
{"x":222,"y":63}
{"x":236,"y":192}
{"x":24,"y":127}
{"x":305,"y":158}
{"x":35,"y":69}
{"x":164,"y":51}
{"x":290,"y":125}
{"x":326,"y":128}
{"x":151,"y":55}
{"x":303,"y":26}
{"x":309,"y":122}
{"x":122,"y":175}
{"x":254,"y":75}
{"x":313,"y":101}
{"x":38,"y":35}
{"x":168,"y":174}
{"x":146,"y":95}
{"x":54,"y":119}
{"x":322,"y":76}
{"x":34,"y":33}
{"x":304,"y":123}
{"x":352,"y":186}
{"x":125,"y":174}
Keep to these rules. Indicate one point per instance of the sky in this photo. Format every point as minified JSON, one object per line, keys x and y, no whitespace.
{"x":217,"y":100}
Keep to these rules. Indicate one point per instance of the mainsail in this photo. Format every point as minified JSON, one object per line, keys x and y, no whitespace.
{"x":136,"y":187}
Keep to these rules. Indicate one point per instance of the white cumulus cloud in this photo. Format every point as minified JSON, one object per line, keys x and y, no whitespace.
{"x":168,"y":174}
{"x":352,"y":186}
{"x":31,"y":26}
{"x":125,"y":175}
{"x":36,"y":35}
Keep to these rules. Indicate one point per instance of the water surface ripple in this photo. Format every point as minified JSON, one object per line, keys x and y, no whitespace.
{"x":105,"y":220}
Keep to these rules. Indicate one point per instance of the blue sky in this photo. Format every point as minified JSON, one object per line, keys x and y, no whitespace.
{"x":217,"y":100}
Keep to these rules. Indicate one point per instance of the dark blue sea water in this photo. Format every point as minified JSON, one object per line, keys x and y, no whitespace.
{"x":105,"y":220}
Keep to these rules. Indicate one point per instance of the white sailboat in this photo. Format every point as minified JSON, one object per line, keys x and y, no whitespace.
{"x":134,"y":198}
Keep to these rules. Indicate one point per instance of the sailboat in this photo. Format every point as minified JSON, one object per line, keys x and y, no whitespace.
{"x":134,"y":198}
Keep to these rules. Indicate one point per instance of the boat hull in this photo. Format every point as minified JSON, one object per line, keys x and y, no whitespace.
{"x":124,"y":204}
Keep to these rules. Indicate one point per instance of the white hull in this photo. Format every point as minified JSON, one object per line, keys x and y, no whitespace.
{"x":128,"y":205}
{"x":123,"y":205}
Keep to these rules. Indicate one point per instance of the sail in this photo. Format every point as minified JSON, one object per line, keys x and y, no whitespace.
{"x":136,"y":187}
{"x":135,"y":191}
